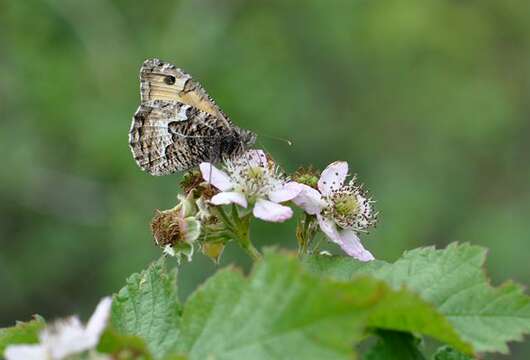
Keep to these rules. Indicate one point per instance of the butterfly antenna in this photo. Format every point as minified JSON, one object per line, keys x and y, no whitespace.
{"x":287,"y":141}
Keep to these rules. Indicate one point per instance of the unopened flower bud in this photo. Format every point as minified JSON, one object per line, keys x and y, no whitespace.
{"x":306,"y":175}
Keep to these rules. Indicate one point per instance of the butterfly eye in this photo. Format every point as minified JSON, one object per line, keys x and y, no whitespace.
{"x":170,"y":80}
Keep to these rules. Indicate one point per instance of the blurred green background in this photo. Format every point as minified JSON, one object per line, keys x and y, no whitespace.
{"x":428,"y":100}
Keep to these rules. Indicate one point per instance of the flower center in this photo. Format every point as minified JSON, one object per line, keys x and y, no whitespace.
{"x":254,"y":181}
{"x":255,"y":173}
{"x":350,"y":208}
{"x":344,"y":208}
{"x":346,"y":205}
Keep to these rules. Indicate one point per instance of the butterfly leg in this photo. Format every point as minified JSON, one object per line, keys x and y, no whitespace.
{"x":214,"y":154}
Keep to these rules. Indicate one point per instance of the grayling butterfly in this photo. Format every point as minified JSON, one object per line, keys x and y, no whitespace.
{"x":178,"y":125}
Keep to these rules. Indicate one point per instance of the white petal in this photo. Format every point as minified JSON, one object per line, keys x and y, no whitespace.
{"x":333,"y":177}
{"x":351,"y":244}
{"x":270,"y":211}
{"x":216,"y":177}
{"x":98,"y":321}
{"x":256,"y":157}
{"x":64,"y":338}
{"x":26,"y":352}
{"x":229,"y":197}
{"x":310,"y":200}
{"x":329,"y":228}
{"x":286,"y":192}
{"x":346,"y":239}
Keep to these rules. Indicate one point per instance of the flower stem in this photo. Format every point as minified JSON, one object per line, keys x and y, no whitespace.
{"x":236,"y":228}
{"x":226,"y":220}
{"x":242,"y":234}
{"x":305,"y":234}
{"x":251,"y":250}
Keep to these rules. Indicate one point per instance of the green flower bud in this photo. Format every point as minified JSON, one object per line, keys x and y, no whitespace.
{"x":306,"y":175}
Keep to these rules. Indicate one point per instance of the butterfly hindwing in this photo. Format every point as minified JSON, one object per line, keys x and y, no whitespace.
{"x":168,"y":136}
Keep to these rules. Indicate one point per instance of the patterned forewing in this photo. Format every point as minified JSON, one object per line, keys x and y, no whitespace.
{"x":168,"y":136}
{"x":160,"y":80}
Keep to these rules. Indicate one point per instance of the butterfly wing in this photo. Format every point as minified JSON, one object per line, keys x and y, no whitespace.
{"x":168,"y":136}
{"x":178,"y":125}
{"x":160,"y":80}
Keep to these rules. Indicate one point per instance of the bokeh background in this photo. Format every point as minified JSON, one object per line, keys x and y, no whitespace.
{"x":428,"y":100}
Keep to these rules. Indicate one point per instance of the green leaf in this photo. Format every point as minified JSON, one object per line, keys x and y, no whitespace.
{"x":280,"y":313}
{"x":21,"y":333}
{"x":394,"y":345}
{"x":148,"y":307}
{"x":454,"y":281}
{"x":284,"y":312}
{"x":448,"y":353}
{"x":405,"y":311}
{"x":340,"y":267}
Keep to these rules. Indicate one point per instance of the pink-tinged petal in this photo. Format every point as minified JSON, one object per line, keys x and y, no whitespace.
{"x":329,"y":228}
{"x":229,"y":197}
{"x":216,"y":177}
{"x":333,"y":177}
{"x":270,"y":211}
{"x":286,"y":192}
{"x":256,"y":158}
{"x":310,"y":200}
{"x":351,"y":244}
{"x":26,"y":352}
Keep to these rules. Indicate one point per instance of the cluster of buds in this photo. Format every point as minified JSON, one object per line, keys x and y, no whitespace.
{"x":220,"y":202}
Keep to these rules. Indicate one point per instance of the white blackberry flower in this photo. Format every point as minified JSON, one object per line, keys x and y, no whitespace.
{"x":66,"y":337}
{"x":343,"y":210}
{"x":252,"y":180}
